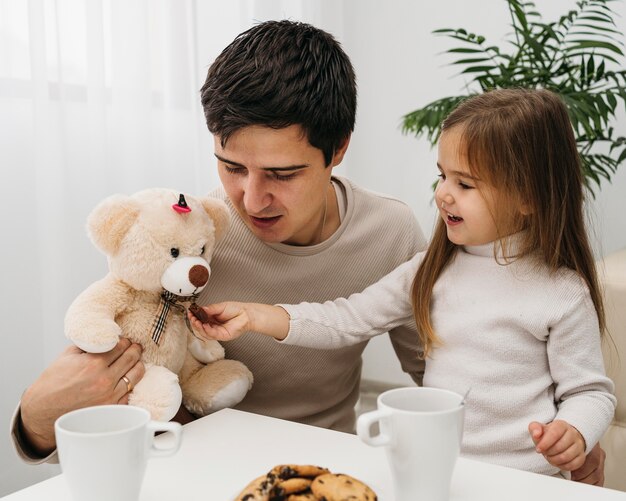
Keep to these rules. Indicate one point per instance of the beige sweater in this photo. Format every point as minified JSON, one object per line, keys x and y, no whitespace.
{"x":318,"y":387}
{"x":313,"y":386}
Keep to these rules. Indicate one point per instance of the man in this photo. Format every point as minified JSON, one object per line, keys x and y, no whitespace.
{"x":281,"y":103}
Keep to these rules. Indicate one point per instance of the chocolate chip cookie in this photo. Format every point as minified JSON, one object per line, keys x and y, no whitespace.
{"x":340,"y":487}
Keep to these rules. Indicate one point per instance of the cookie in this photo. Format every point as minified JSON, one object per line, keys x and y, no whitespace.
{"x":284,"y":471}
{"x":307,"y":496}
{"x":340,"y":487}
{"x":296,"y":482}
{"x":199,"y":313}
{"x":291,"y":486}
{"x":259,"y":489}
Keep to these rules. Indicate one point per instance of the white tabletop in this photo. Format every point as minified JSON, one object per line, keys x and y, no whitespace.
{"x":222,"y":452}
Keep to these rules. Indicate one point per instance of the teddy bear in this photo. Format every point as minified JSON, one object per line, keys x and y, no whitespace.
{"x":158,"y":244}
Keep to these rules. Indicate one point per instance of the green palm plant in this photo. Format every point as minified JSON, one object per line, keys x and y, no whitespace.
{"x":572,"y":57}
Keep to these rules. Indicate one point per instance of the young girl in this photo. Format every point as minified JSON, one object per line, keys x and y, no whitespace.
{"x":506,"y":297}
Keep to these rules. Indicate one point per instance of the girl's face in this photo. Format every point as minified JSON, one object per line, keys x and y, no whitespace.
{"x":466,"y":204}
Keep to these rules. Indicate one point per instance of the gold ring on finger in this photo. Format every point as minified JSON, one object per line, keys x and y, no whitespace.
{"x":129,"y":385}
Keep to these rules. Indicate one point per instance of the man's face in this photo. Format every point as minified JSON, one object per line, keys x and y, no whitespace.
{"x":277,"y":182}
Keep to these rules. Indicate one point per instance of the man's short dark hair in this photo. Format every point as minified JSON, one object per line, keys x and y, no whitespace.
{"x":281,"y":73}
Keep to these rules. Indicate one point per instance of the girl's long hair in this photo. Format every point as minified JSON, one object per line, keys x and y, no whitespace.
{"x":521,"y":142}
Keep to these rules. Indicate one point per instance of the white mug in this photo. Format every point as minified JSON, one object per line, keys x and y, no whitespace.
{"x":421,"y":430}
{"x":103,"y":450}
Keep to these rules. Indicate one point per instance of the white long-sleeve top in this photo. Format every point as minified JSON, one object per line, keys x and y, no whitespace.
{"x":526,"y":341}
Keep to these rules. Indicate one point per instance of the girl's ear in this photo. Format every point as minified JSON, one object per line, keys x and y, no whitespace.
{"x":525,"y":209}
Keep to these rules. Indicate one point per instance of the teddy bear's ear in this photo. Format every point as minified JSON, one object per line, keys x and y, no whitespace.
{"x":219,"y":213}
{"x":110,"y":220}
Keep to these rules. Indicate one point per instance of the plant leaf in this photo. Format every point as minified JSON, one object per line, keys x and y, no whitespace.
{"x":595,"y":44}
{"x":464,"y":50}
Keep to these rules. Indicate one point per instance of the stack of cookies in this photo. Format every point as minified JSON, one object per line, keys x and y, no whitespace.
{"x":295,"y":482}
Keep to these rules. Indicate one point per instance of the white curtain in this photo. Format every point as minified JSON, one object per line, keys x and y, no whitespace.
{"x":96,"y":97}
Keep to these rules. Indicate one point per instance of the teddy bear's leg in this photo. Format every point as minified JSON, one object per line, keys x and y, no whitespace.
{"x":158,"y":392}
{"x":209,"y":388}
{"x":205,"y":350}
{"x":190,"y":366}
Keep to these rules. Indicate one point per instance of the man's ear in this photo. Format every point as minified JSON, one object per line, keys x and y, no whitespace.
{"x":340,"y":152}
{"x":110,"y":220}
{"x":219,"y":214}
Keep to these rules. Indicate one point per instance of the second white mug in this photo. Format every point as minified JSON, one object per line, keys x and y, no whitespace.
{"x":421,"y":430}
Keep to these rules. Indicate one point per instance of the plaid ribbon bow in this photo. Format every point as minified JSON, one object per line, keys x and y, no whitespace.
{"x":169,"y":300}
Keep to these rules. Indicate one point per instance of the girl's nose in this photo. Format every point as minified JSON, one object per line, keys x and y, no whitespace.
{"x":443,"y":196}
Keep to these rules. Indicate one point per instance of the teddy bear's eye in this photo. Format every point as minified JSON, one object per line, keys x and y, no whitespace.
{"x":202,"y":250}
{"x":174,"y":252}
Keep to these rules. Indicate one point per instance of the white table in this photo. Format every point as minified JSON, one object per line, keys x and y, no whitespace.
{"x":222,"y":452}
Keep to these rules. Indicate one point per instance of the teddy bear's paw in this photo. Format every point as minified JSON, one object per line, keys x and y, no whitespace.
{"x":95,"y":348}
{"x":96,"y":336}
{"x":158,"y":392}
{"x":216,"y":386}
{"x":206,"y":351}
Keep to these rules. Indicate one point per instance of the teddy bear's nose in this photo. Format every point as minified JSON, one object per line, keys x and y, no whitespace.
{"x":198,"y":275}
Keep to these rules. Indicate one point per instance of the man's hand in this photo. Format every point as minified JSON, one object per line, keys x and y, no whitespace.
{"x":560,"y":443}
{"x":75,"y":380}
{"x":592,"y":472}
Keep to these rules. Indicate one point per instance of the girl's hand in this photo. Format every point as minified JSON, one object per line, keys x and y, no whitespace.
{"x":560,"y":443}
{"x":229,"y":320}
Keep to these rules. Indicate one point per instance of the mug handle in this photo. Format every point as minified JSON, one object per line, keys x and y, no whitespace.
{"x":364,"y":427}
{"x":156,"y":426}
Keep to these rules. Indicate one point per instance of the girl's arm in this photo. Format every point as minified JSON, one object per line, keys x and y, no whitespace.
{"x":379,"y":308}
{"x":583,"y":392}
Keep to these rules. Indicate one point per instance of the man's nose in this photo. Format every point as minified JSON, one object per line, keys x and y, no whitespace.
{"x":256,"y":195}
